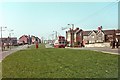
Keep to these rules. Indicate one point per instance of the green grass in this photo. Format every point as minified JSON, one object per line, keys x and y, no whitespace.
{"x":59,"y":63}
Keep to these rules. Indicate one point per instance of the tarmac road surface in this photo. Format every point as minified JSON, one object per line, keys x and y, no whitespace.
{"x":102,"y":49}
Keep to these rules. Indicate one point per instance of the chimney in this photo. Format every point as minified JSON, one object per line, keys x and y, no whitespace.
{"x":99,"y":28}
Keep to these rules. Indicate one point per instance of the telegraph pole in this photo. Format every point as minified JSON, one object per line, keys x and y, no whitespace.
{"x":1,"y":38}
{"x":55,"y":34}
{"x":10,"y":38}
{"x":72,"y":35}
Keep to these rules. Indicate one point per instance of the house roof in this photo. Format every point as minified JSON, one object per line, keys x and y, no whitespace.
{"x":99,"y":32}
{"x":117,"y":31}
{"x":95,"y":31}
{"x":24,"y":36}
{"x":85,"y":33}
{"x":108,"y":32}
{"x":75,"y":31}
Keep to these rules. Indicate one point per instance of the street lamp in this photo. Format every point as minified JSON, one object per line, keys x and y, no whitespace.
{"x":10,"y":37}
{"x":55,"y":34}
{"x":1,"y":37}
{"x":72,"y":35}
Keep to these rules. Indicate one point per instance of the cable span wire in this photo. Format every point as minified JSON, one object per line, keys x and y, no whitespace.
{"x":97,"y":12}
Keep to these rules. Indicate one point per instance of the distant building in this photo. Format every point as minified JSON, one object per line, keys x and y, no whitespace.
{"x":76,"y":36}
{"x":10,"y":41}
{"x":23,"y":39}
{"x":33,"y":39}
{"x":38,"y":39}
{"x":49,"y":41}
{"x":100,"y":36}
{"x":92,"y":36}
{"x":85,"y":36}
{"x":28,"y":39}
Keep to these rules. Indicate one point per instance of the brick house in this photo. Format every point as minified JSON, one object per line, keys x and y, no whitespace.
{"x":85,"y":36}
{"x":109,"y":35}
{"x":38,"y":39}
{"x":23,"y":39}
{"x":100,"y":36}
{"x":74,"y":37}
{"x":117,"y":34}
{"x":94,"y":36}
{"x":28,"y":39}
{"x":33,"y":39}
{"x":77,"y":37}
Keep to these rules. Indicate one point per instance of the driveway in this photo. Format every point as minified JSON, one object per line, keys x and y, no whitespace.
{"x":101,"y":49}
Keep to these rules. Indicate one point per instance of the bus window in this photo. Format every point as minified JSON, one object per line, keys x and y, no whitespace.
{"x":59,"y":42}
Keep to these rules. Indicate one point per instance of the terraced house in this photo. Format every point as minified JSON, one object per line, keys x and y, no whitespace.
{"x":28,"y":39}
{"x":91,"y":37}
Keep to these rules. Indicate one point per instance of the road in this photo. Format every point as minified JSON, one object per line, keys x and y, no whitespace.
{"x":49,"y":46}
{"x":101,"y":49}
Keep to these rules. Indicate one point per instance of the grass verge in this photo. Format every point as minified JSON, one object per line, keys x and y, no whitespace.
{"x":59,"y":63}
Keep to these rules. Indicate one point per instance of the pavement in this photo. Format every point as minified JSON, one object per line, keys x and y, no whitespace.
{"x":49,"y":46}
{"x":101,"y":49}
{"x":8,"y":52}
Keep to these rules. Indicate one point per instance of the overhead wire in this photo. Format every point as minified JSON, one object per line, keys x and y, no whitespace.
{"x":96,"y":12}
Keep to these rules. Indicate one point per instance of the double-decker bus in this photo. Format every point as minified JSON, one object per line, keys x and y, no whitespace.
{"x":60,"y":42}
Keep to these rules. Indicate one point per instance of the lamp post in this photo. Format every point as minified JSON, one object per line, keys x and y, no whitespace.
{"x":55,"y":34}
{"x":72,"y":34}
{"x":10,"y":41}
{"x":1,"y":38}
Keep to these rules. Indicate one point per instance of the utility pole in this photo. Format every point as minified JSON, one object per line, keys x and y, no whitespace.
{"x":55,"y":35}
{"x":72,"y":35}
{"x":52,"y":37}
{"x":10,"y":41}
{"x":42,"y":39}
{"x":1,"y":37}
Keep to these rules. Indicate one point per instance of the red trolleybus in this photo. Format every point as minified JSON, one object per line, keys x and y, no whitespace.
{"x":60,"y":42}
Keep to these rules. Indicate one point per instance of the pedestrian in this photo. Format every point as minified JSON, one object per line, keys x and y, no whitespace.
{"x":82,"y":44}
{"x":36,"y":44}
{"x":3,"y":46}
{"x":113,"y":44}
{"x":117,"y":42}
